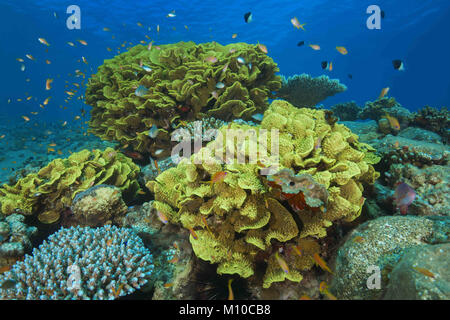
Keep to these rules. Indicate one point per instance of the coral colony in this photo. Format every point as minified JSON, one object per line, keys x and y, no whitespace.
{"x":197,"y":171}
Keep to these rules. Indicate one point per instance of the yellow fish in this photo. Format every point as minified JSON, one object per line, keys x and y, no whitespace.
{"x":48,"y":84}
{"x":425,"y":272}
{"x":384,"y":92}
{"x":71,"y":44}
{"x":26,"y":118}
{"x":297,"y":24}
{"x":342,"y":50}
{"x":82,"y":42}
{"x":315,"y":46}
{"x":43,"y":41}
{"x":321,"y":263}
{"x":282,"y":263}
{"x":323,"y":288}
{"x":19,"y":59}
{"x":234,"y":35}
{"x":393,"y":122}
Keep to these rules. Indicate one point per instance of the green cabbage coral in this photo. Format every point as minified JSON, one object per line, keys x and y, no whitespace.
{"x":241,"y":222}
{"x":185,"y":82}
{"x":48,"y":192}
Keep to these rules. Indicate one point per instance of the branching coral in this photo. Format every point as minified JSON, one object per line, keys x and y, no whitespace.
{"x":81,"y":263}
{"x":184,"y":82}
{"x":48,"y":192}
{"x":240,"y":221}
{"x":306,"y":91}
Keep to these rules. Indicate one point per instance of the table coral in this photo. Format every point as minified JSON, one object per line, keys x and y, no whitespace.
{"x":184,"y":83}
{"x":51,"y":190}
{"x":306,"y":91}
{"x":241,"y":222}
{"x":81,"y":263}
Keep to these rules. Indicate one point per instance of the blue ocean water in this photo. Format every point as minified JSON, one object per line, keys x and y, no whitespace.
{"x":414,"y":31}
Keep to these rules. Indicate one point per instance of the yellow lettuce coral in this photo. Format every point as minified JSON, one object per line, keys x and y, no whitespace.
{"x":184,"y":82}
{"x":48,"y":192}
{"x":243,"y":219}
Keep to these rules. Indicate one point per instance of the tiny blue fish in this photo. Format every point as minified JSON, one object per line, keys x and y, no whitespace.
{"x":220,"y":85}
{"x":147,"y":68}
{"x":141,"y":91}
{"x":241,"y":60}
{"x":258,"y":116}
{"x":153,"y":132}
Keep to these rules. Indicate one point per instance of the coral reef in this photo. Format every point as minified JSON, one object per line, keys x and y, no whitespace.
{"x":306,"y":91}
{"x":378,"y":109}
{"x":15,"y":239}
{"x":408,"y":283}
{"x":97,"y":206}
{"x":179,"y":82}
{"x":81,"y":263}
{"x":381,"y":243}
{"x":50,"y":191}
{"x":347,"y":111}
{"x":434,"y":120}
{"x":241,"y":222}
{"x":396,"y":149}
{"x":431,"y":183}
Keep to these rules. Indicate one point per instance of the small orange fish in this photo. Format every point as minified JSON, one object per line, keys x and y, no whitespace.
{"x":26,"y":118}
{"x":315,"y":46}
{"x":70,"y":93}
{"x":29,"y":98}
{"x":297,"y":250}
{"x":52,"y":145}
{"x":71,"y":44}
{"x":175,"y":259}
{"x":141,"y":192}
{"x":393,"y":122}
{"x":19,"y":59}
{"x":109,"y":242}
{"x":304,"y":297}
{"x":297,"y":24}
{"x":211,"y":59}
{"x":282,"y":263}
{"x":323,"y":288}
{"x":234,"y":35}
{"x":230,"y":290}
{"x":217,"y":177}
{"x":193,"y":234}
{"x":321,"y":263}
{"x":175,"y":245}
{"x":64,"y":123}
{"x":84,"y":60}
{"x":262,"y":48}
{"x":48,"y":84}
{"x":162,"y":217}
{"x":167,"y":285}
{"x":82,"y":42}
{"x":207,"y":226}
{"x":384,"y":92}
{"x":358,"y":239}
{"x":46,"y":101}
{"x":396,"y":144}
{"x":59,"y":152}
{"x":156,"y":166}
{"x":43,"y":41}
{"x":29,"y":56}
{"x":425,"y":272}
{"x":342,"y":50}
{"x":50,"y":150}
{"x":2,"y":136}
